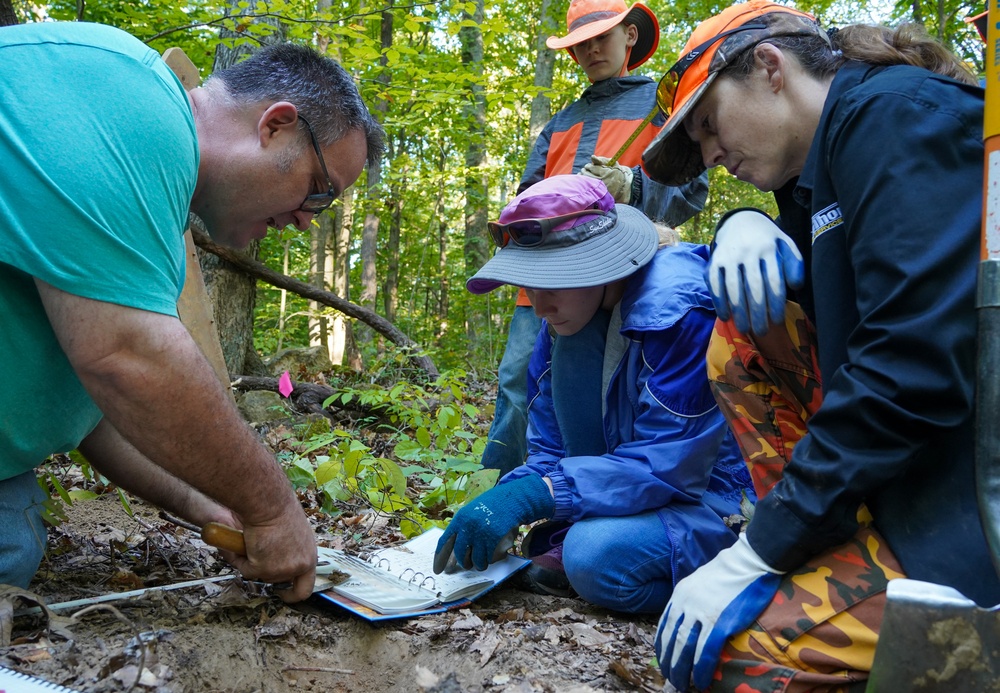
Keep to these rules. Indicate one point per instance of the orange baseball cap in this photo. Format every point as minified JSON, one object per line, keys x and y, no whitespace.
{"x":586,"y":19}
{"x":672,"y":157}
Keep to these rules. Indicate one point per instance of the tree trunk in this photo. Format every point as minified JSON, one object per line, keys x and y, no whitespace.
{"x":390,"y":294}
{"x":8,"y":17}
{"x":475,"y":246}
{"x":442,"y":236}
{"x":320,"y":274}
{"x":343,"y":328}
{"x":369,"y":234}
{"x":321,"y":260}
{"x":233,"y":294}
{"x":545,"y":60}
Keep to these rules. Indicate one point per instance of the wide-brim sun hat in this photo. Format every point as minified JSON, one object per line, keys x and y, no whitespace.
{"x":673,"y":158}
{"x":586,"y":19}
{"x":585,"y":251}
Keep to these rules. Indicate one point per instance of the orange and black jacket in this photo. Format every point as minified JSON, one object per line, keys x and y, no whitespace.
{"x":600,"y":122}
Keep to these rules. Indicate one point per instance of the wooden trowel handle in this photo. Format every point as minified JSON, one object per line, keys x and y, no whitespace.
{"x":224,"y":537}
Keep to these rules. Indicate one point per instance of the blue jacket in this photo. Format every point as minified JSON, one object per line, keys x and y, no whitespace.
{"x":893,"y":185}
{"x":667,"y":440}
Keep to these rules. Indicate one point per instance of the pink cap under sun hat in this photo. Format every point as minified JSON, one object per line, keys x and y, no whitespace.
{"x":582,"y":251}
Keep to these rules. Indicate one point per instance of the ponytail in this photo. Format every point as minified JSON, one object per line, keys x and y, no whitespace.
{"x":908,"y":44}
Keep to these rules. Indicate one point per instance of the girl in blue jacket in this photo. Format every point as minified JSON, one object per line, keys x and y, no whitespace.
{"x":642,"y":487}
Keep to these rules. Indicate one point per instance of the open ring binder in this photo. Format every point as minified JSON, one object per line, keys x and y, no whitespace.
{"x":396,"y":582}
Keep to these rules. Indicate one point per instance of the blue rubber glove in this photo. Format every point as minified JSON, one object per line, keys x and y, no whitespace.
{"x":482,"y":523}
{"x":752,"y":262}
{"x":715,"y":602}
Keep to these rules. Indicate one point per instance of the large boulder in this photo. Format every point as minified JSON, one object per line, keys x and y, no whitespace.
{"x":262,"y":406}
{"x":300,"y":362}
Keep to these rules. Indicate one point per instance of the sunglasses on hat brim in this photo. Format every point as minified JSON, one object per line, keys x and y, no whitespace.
{"x":666,"y":90}
{"x":529,"y":233}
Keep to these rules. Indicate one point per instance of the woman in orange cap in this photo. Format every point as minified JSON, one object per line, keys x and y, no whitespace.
{"x":608,"y":39}
{"x":871,"y":140}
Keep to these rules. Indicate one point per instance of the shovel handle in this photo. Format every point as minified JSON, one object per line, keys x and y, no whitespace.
{"x":224,"y":537}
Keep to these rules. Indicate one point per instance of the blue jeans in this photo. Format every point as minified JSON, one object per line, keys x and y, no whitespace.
{"x":508,"y":444}
{"x":631,"y":564}
{"x":23,"y":537}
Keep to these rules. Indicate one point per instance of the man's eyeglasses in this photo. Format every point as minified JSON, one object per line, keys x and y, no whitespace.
{"x":317,"y":202}
{"x":666,"y":90}
{"x":529,"y":233}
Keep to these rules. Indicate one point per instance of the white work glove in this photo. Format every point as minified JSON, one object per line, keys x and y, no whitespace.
{"x":752,"y":262}
{"x":715,"y":602}
{"x":617,"y":178}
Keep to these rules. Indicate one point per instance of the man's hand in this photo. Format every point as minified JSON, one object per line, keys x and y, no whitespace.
{"x":715,"y":602}
{"x":752,"y":262}
{"x":283,"y":550}
{"x":617,"y":178}
{"x":477,"y":529}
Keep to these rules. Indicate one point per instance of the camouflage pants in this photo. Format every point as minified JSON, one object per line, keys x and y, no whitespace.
{"x":819,"y":632}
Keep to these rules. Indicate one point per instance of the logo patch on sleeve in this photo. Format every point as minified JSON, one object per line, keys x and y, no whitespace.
{"x":826,"y":219}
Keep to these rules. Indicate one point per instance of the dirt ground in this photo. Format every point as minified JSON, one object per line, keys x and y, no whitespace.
{"x":232,"y":636}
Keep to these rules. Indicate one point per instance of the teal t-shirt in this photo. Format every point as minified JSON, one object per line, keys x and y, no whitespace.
{"x":98,"y":163}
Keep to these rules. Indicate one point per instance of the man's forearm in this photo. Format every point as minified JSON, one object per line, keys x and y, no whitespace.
{"x":157,"y":390}
{"x":159,"y":393}
{"x":116,"y":459}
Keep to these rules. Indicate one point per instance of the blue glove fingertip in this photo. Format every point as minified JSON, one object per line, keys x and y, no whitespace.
{"x":481,"y":556}
{"x":741,"y":319}
{"x":663,"y":656}
{"x":720,"y":299}
{"x":775,"y":299}
{"x":680,"y":672}
{"x":791,"y":266}
{"x":759,"y":321}
{"x":445,"y":546}
{"x":704,"y":668}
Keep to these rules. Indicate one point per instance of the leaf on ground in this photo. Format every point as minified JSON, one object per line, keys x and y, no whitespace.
{"x":565,"y":614}
{"x":588,"y":636}
{"x":552,"y":634}
{"x":534,"y":633}
{"x":639,"y":636}
{"x":623,"y":670}
{"x":8,"y":593}
{"x":279,"y":625}
{"x":426,"y":678}
{"x":129,"y":675}
{"x":469,"y":621}
{"x":512,"y":615}
{"x":487,"y":643}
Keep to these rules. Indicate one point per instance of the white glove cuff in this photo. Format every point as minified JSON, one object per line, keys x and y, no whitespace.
{"x":743,"y":551}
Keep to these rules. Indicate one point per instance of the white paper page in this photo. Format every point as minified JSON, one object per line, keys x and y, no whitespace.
{"x":418,"y":567}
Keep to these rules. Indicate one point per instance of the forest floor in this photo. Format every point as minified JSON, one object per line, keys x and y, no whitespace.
{"x":232,"y":636}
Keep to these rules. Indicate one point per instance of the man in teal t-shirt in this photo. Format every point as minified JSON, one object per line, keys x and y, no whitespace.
{"x":103,"y":157}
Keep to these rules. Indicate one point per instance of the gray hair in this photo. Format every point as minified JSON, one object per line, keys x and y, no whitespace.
{"x":318,"y":86}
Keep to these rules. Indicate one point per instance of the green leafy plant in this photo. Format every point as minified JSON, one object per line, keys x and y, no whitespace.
{"x":52,"y":479}
{"x":429,"y":463}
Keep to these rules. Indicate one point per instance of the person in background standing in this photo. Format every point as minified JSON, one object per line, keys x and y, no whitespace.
{"x":608,"y":40}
